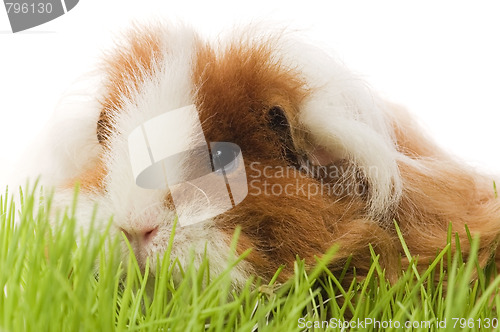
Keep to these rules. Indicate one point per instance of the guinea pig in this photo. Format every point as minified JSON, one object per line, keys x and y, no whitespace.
{"x":326,"y":161}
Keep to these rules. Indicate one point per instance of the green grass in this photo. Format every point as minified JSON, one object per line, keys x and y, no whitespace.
{"x":49,"y":283}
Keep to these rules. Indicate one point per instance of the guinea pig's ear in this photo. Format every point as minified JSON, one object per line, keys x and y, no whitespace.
{"x":340,"y":132}
{"x":342,"y":119}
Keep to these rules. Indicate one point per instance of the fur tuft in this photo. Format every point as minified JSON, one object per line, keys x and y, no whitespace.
{"x":304,"y":123}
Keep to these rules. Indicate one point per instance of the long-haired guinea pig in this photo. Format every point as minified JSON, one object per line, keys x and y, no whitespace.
{"x":317,"y":157}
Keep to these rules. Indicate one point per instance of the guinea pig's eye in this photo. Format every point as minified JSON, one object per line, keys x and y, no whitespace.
{"x":224,"y":156}
{"x":277,"y":118}
{"x":278,"y":122}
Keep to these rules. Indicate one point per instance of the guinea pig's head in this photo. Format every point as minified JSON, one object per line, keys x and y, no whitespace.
{"x":316,"y":155}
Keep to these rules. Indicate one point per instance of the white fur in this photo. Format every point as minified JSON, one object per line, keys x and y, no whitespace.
{"x":342,"y":115}
{"x":168,"y":87}
{"x":344,"y":118}
{"x":69,"y":146}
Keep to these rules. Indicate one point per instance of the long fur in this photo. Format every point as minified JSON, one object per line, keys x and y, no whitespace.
{"x":331,"y":120}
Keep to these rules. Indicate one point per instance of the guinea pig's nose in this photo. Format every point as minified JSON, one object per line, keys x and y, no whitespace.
{"x":140,"y":234}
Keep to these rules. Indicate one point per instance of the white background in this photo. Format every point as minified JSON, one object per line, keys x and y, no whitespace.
{"x":441,"y":59}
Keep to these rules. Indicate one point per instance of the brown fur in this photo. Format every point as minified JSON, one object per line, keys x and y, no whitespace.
{"x":125,"y":70}
{"x":234,"y":91}
{"x":238,"y":87}
{"x":92,"y":179}
{"x":439,"y":191}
